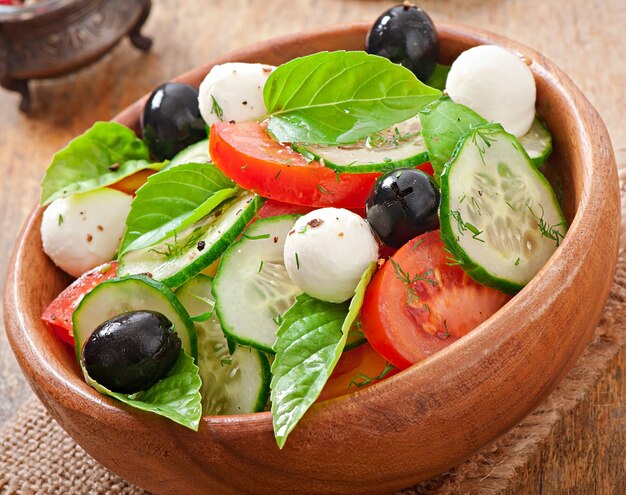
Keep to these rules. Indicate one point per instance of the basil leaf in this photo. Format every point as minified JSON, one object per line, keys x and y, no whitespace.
{"x":341,"y":97}
{"x":103,"y":155}
{"x":443,"y":124}
{"x":172,"y":200}
{"x":177,"y":396}
{"x":309,"y":342}
{"x":439,"y":77}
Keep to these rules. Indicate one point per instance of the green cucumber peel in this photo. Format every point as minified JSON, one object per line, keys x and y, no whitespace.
{"x":537,"y":142}
{"x":445,"y":122}
{"x":252,"y":288}
{"x":167,"y":305}
{"x":402,"y":145}
{"x":309,"y":343}
{"x":103,"y":155}
{"x":171,"y":201}
{"x":178,"y":258}
{"x":176,"y":396}
{"x":511,"y":188}
{"x":234,"y":380}
{"x":340,"y":97}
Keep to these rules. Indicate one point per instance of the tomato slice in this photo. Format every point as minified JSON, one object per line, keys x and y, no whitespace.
{"x":356,"y":369}
{"x":255,"y":161}
{"x":273,"y":208}
{"x":58,"y":315}
{"x":418,"y":303}
{"x":427,"y":167}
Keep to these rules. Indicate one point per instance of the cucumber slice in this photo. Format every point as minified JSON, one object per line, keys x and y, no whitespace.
{"x":499,"y":216}
{"x":119,"y":295}
{"x":399,"y":146}
{"x":252,"y":288}
{"x":354,"y":340}
{"x":231,"y":384}
{"x":196,"y":153}
{"x":176,"y":259}
{"x":537,"y":142}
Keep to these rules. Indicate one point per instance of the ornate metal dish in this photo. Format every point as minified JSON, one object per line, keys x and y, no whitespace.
{"x":57,"y":37}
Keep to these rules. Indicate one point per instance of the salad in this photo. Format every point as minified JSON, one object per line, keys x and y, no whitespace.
{"x":282,"y":235}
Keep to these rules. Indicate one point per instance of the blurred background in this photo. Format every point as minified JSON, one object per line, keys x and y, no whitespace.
{"x":585,"y":38}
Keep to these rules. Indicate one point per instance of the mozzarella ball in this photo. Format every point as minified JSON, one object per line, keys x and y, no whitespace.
{"x":84,"y":230}
{"x":496,"y":84}
{"x":327,"y":252}
{"x":234,"y":92}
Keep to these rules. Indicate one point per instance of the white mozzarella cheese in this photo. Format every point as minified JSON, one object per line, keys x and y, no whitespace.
{"x":496,"y":84}
{"x":327,"y":251}
{"x":234,"y":92}
{"x":84,"y":230}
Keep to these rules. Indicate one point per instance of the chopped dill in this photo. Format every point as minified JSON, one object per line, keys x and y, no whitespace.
{"x":484,"y":136}
{"x":323,"y":190}
{"x":463,"y":227}
{"x":445,"y":335}
{"x":451,"y":259}
{"x":174,"y":249}
{"x":476,"y":205}
{"x":417,"y":244}
{"x":409,"y":281}
{"x":550,"y":231}
{"x":216,"y":109}
{"x":362,"y":380}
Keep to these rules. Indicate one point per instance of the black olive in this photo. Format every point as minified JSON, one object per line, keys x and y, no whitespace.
{"x":402,"y":205}
{"x":406,"y":35}
{"x":132,"y":351}
{"x":171,"y":120}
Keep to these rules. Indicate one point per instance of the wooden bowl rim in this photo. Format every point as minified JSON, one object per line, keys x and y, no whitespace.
{"x":73,"y":393}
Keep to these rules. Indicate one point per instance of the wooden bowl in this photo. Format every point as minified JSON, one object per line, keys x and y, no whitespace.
{"x":393,"y":434}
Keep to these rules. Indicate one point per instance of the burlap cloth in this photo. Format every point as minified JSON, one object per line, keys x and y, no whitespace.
{"x":37,"y":456}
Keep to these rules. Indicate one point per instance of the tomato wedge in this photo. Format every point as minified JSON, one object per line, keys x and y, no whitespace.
{"x":255,"y":161}
{"x":418,"y":303}
{"x":356,"y":369}
{"x":58,"y":315}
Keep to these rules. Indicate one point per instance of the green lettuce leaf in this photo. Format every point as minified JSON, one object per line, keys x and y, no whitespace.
{"x":177,"y":396}
{"x":172,"y":200}
{"x":309,"y":342}
{"x":103,"y":155}
{"x":443,"y":124}
{"x":341,"y":97}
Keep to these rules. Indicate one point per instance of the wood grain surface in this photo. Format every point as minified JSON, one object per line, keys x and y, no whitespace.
{"x":583,"y":38}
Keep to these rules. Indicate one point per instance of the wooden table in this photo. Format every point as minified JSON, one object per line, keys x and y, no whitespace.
{"x":584,"y":449}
